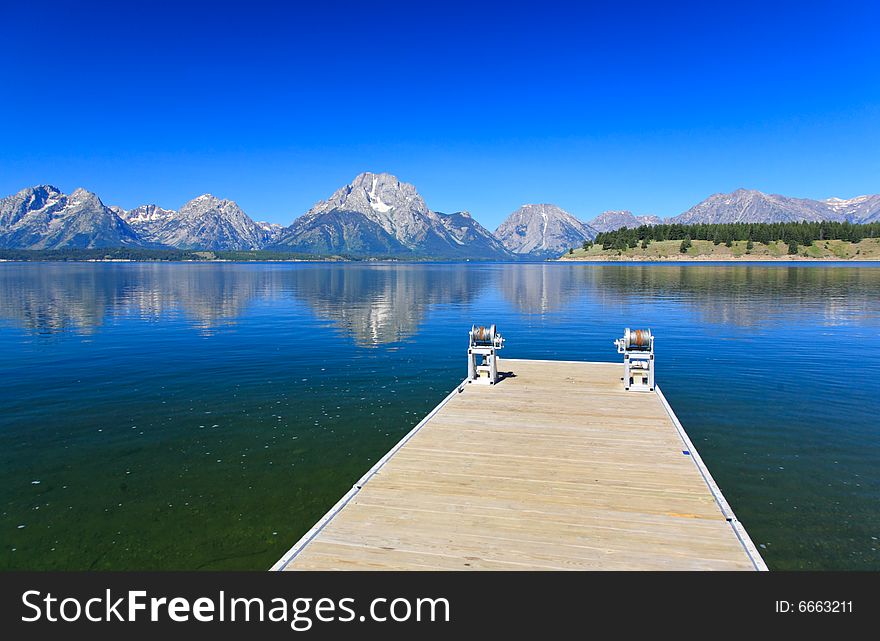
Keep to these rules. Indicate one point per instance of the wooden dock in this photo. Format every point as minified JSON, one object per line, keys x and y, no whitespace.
{"x":554,"y":468}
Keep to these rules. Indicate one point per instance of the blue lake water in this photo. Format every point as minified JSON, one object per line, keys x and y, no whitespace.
{"x":206,"y":415}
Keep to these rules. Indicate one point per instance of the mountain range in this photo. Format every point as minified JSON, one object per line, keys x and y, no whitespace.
{"x":205,"y":222}
{"x":376,"y":215}
{"x":751,"y":206}
{"x":44,"y":218}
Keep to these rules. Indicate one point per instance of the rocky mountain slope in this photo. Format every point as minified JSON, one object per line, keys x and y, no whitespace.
{"x":379,"y":215}
{"x":271,"y":231}
{"x":44,"y":218}
{"x":146,"y":220}
{"x":542,"y":231}
{"x":206,"y":222}
{"x":861,"y":209}
{"x":752,"y":206}
{"x":612,"y":220}
{"x":468,"y":232}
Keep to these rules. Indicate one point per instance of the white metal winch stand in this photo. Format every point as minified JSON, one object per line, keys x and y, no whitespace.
{"x":483,"y":344}
{"x":637,"y":347}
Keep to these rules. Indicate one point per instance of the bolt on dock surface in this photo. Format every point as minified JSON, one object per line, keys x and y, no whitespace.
{"x":556,"y":467}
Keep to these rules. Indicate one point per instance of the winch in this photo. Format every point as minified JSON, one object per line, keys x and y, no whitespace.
{"x":483,"y":344}
{"x":637,"y":347}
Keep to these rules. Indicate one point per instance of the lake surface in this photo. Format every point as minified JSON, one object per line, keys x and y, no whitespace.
{"x":206,"y":415}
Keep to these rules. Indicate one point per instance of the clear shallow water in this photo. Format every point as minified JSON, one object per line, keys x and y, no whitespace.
{"x":205,"y":416}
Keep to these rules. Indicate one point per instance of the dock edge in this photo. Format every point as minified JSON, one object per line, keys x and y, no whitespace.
{"x":306,"y":538}
{"x":738,"y":528}
{"x":726,"y":510}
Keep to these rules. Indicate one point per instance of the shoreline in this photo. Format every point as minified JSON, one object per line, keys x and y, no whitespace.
{"x":714,"y":259}
{"x":702,"y":251}
{"x":597,"y":259}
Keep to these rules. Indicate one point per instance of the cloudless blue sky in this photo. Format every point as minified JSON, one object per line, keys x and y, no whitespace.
{"x":483,"y":107}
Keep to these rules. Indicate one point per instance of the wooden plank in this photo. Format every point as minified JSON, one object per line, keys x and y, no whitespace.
{"x":556,"y":467}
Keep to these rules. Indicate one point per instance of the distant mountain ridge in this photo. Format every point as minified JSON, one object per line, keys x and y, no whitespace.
{"x":542,"y":230}
{"x":611,"y":220}
{"x":42,"y":217}
{"x":376,"y":215}
{"x":752,"y":206}
{"x":205,"y":222}
{"x":379,"y":215}
{"x":861,"y":209}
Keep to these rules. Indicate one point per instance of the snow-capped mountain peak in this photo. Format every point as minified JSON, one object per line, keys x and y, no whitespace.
{"x":42,"y":217}
{"x":378,"y":214}
{"x":864,"y":209}
{"x":145,"y":214}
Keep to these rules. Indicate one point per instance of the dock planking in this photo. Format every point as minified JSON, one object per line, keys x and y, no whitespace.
{"x":556,"y":467}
